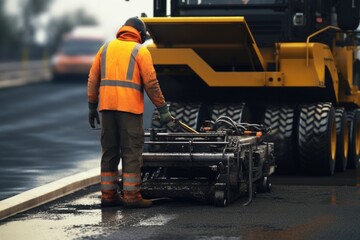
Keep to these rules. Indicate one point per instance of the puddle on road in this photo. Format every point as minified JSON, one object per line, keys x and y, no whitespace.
{"x":158,"y":220}
{"x":80,"y":218}
{"x":76,"y":225}
{"x":77,"y":219}
{"x":64,"y":226}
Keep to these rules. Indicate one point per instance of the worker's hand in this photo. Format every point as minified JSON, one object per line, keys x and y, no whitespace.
{"x":165,"y":115}
{"x":93,"y":114}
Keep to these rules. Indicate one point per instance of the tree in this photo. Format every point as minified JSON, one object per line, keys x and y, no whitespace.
{"x":8,"y":32}
{"x":31,"y":9}
{"x":9,"y":37}
{"x":20,"y":30}
{"x":59,"y":26}
{"x":37,"y":7}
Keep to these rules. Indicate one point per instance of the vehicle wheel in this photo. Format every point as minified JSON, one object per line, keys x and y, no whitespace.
{"x":317,"y":139}
{"x":220,"y":199}
{"x":281,"y":122}
{"x":237,"y":112}
{"x":190,"y":114}
{"x":354,"y":136}
{"x":356,"y":73}
{"x":342,"y":140}
{"x":263,"y":185}
{"x":56,"y":77}
{"x":234,"y":180}
{"x":348,"y":14}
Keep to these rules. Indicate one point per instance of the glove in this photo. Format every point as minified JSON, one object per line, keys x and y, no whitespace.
{"x":165,"y":115}
{"x":93,"y":114}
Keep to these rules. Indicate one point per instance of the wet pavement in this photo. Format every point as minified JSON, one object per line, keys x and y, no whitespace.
{"x":45,"y":135}
{"x":288,"y":212}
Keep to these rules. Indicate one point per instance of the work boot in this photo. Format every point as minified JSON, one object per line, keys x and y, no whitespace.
{"x":142,"y":203}
{"x":131,"y":189}
{"x":133,"y":199}
{"x":116,"y":202}
{"x":109,"y":187}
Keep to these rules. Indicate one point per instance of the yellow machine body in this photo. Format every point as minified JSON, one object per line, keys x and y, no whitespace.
{"x":222,"y":52}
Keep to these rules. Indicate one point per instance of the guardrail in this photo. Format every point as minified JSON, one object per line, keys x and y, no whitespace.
{"x":19,"y":73}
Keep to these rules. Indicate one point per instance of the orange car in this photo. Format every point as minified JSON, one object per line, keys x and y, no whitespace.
{"x":75,"y":54}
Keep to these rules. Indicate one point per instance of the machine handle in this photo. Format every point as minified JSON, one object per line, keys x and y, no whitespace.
{"x":184,"y":126}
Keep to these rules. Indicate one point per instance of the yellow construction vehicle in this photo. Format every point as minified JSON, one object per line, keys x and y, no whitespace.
{"x":287,"y":64}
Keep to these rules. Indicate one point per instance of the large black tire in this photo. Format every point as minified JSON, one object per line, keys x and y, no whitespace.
{"x":263,"y":185}
{"x":192,"y":114}
{"x":317,"y":139}
{"x":356,"y":73}
{"x":220,"y":198}
{"x":342,"y":140}
{"x":354,"y":136}
{"x":237,"y":112}
{"x":281,"y":121}
{"x":348,"y":14}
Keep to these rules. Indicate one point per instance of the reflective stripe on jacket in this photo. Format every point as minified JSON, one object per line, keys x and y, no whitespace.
{"x":121,"y":70}
{"x":120,"y":87}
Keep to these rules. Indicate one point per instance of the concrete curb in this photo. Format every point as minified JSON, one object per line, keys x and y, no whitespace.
{"x":49,"y":192}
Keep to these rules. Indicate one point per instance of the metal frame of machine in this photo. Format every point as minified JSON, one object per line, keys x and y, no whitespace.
{"x":224,"y":161}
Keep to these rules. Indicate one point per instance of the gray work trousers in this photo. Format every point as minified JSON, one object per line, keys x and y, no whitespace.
{"x":122,"y":136}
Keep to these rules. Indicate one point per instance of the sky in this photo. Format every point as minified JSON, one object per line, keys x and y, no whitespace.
{"x":111,"y":14}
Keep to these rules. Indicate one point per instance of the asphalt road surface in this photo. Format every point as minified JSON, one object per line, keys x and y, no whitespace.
{"x":290,"y":212}
{"x":45,"y":135}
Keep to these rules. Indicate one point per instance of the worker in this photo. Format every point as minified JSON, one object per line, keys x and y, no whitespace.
{"x":121,"y":70}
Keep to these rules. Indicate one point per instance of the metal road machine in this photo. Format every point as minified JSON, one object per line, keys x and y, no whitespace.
{"x":222,"y":162}
{"x":288,"y":65}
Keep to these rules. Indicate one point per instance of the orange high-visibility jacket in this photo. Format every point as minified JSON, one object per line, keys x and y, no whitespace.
{"x":121,"y":70}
